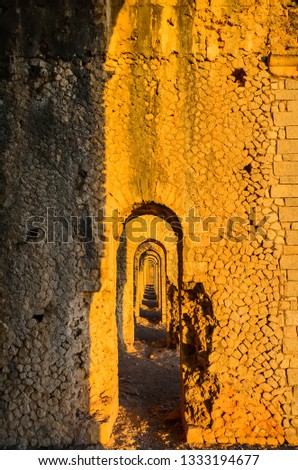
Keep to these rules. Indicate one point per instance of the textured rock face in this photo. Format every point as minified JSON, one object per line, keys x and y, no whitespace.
{"x":53,"y":181}
{"x":163,"y":109}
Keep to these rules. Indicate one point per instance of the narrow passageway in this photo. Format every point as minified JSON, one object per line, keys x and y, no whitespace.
{"x":149,"y":377}
{"x":150,"y":297}
{"x":150,"y":307}
{"x":147,"y":312}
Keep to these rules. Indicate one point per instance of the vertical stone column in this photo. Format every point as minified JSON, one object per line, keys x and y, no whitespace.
{"x":141,"y":288}
{"x":285,"y":193}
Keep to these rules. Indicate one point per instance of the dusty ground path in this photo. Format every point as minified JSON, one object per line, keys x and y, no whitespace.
{"x":149,"y":394}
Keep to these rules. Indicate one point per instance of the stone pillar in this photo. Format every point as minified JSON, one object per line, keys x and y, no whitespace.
{"x":285,"y":193}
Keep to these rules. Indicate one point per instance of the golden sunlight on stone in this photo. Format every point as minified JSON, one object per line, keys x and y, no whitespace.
{"x":150,"y":229}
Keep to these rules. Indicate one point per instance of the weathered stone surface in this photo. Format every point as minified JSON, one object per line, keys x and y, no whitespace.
{"x":286,"y":168}
{"x":293,"y":376}
{"x":283,"y":65}
{"x":291,"y":157}
{"x":287,"y":95}
{"x":291,"y":84}
{"x":173,"y":117}
{"x":291,"y":289}
{"x":289,"y":214}
{"x":290,"y":345}
{"x":289,"y":262}
{"x":284,"y":190}
{"x":292,"y":237}
{"x":287,"y":146}
{"x":292,"y":131}
{"x":285,"y":119}
{"x":291,"y":201}
{"x":289,"y":179}
{"x":293,"y":275}
{"x":292,"y":317}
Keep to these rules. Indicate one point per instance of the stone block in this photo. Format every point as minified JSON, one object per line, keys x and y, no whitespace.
{"x":283,"y":65}
{"x":194,"y":435}
{"x":286,"y":95}
{"x":293,"y":275}
{"x":292,"y":132}
{"x":291,"y":317}
{"x":294,"y":364}
{"x":292,"y":106}
{"x":290,"y":332}
{"x":292,"y":376}
{"x":284,"y":190}
{"x":289,"y":179}
{"x":290,"y":157}
{"x":289,"y":262}
{"x":284,"y":71}
{"x":288,"y":214}
{"x":290,"y":346}
{"x":287,"y":146}
{"x":291,"y":289}
{"x":292,"y":237}
{"x":291,"y":201}
{"x":291,"y":437}
{"x":285,"y":119}
{"x":286,"y":168}
{"x":291,"y":250}
{"x":295,"y":409}
{"x":291,"y":84}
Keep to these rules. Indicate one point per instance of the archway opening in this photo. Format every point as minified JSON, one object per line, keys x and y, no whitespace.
{"x":149,"y":271}
{"x":150,"y":288}
{"x":149,"y":222}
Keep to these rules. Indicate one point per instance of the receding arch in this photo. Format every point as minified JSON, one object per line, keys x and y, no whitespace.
{"x":168,"y":215}
{"x":156,"y":247}
{"x":151,"y":264}
{"x":161,"y":211}
{"x":167,"y":246}
{"x":125,"y":250}
{"x":150,"y":273}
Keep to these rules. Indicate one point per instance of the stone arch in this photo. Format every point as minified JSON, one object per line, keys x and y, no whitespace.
{"x":160,"y":252}
{"x":158,"y":210}
{"x":150,"y":272}
{"x":168,"y":290}
{"x":125,"y":252}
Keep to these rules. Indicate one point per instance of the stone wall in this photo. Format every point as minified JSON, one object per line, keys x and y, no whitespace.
{"x":164,"y":109}
{"x":189,"y":121}
{"x":285,"y":192}
{"x":52,"y":164}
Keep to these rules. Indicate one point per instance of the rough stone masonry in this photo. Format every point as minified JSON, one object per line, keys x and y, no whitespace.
{"x":178,"y":110}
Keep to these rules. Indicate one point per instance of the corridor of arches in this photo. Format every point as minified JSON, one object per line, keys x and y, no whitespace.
{"x":148,"y":328}
{"x":160,"y":358}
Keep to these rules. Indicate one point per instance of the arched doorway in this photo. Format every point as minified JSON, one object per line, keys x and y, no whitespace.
{"x":166,"y":288}
{"x":149,"y":266}
{"x":149,"y":295}
{"x":149,"y":222}
{"x":155,"y":251}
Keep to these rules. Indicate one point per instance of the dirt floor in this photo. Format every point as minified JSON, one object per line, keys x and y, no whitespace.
{"x":149,"y":379}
